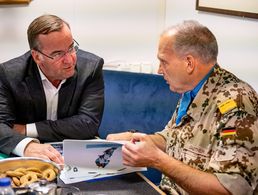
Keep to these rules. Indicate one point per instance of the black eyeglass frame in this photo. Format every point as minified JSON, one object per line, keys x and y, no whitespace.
{"x":75,"y":47}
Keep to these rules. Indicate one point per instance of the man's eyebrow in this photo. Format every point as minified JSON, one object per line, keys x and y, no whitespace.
{"x":55,"y":52}
{"x":160,"y":58}
{"x":58,"y":51}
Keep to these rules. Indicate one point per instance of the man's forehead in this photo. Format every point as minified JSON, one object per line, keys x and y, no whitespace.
{"x":165,"y":44}
{"x":167,"y":37}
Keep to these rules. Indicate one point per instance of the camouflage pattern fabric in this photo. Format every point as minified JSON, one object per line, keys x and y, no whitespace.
{"x":218,"y":135}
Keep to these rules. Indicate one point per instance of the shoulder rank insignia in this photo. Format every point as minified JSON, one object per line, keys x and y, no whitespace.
{"x":226,"y":106}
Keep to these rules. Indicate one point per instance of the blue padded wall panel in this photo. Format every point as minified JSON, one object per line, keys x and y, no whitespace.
{"x":136,"y":101}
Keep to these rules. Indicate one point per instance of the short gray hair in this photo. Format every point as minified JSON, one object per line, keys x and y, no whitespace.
{"x":193,"y":38}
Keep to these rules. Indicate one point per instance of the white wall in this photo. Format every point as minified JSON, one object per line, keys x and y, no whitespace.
{"x":118,"y":31}
{"x":127,"y":31}
{"x":237,"y":37}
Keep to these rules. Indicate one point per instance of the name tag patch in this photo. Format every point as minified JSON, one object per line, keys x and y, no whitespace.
{"x":226,"y":106}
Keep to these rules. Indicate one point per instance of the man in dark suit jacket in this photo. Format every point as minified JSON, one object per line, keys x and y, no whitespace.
{"x":51,"y":93}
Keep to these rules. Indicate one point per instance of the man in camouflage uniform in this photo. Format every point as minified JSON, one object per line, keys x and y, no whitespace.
{"x":211,"y":142}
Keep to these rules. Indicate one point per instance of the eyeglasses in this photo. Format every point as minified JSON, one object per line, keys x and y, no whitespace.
{"x":60,"y":54}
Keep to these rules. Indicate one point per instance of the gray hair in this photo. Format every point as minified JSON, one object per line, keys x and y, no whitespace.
{"x":193,"y":38}
{"x":43,"y":25}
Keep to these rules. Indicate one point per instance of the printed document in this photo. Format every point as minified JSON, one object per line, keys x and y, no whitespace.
{"x":93,"y":159}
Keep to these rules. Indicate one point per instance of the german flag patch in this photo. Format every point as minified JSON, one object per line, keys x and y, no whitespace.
{"x":227,"y":132}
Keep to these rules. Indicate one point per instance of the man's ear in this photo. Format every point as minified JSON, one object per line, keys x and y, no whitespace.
{"x":36,"y":56}
{"x":190,"y":61}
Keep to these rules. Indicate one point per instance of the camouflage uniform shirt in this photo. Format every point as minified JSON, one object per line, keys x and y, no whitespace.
{"x":219,"y":134}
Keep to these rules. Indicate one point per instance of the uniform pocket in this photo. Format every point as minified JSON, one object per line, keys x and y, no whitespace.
{"x":195,"y":156}
{"x":225,"y":153}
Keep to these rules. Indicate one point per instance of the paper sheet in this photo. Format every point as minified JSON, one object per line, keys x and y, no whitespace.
{"x":93,"y":159}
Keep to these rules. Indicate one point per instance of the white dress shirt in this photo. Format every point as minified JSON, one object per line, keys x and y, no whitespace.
{"x":51,"y":94}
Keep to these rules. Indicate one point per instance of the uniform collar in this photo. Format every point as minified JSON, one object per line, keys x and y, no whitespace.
{"x":188,"y":97}
{"x":205,"y":92}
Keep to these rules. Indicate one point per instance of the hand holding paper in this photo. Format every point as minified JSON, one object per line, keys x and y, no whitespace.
{"x":92,"y":159}
{"x":140,"y":152}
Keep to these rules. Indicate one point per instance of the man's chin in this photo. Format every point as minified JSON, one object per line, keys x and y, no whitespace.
{"x":174,"y":89}
{"x":69,"y":74}
{"x":171,"y":88}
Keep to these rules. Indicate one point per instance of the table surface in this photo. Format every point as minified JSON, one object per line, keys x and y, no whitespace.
{"x":128,"y":184}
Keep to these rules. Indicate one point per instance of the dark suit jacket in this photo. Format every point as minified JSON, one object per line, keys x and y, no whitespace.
{"x":22,"y":101}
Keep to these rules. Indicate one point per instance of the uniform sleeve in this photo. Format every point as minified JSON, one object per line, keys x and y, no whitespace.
{"x":235,"y":183}
{"x":235,"y":163}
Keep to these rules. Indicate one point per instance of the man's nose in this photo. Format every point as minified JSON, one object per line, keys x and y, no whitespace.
{"x":160,"y":70}
{"x":68,"y":57}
